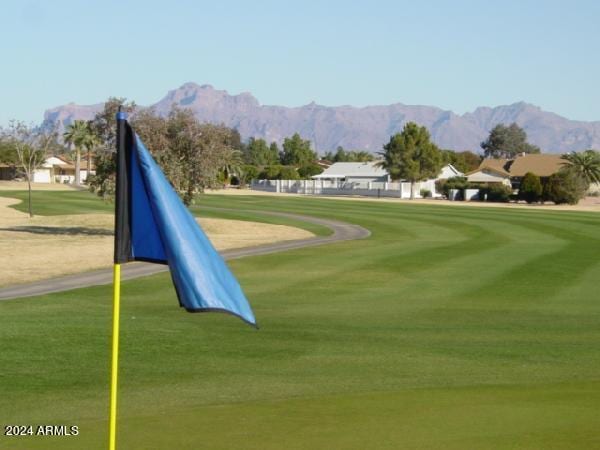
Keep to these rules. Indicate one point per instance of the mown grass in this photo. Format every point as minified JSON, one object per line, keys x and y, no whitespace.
{"x":449,"y":328}
{"x":52,"y":203}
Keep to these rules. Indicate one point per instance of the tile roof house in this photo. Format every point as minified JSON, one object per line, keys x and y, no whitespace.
{"x":511,"y":171}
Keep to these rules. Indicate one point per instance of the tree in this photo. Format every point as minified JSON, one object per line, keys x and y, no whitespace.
{"x":104,"y":123}
{"x":297,"y":151}
{"x":248,"y":173}
{"x":201,"y":149}
{"x":360,"y":156}
{"x":31,"y":146}
{"x":7,"y":153}
{"x":530,"y":189}
{"x":258,"y":153}
{"x":275,"y":152}
{"x":565,"y":186}
{"x":507,"y":142}
{"x":232,"y":165}
{"x":465,"y":161}
{"x":309,"y":170}
{"x":410,"y":155}
{"x":104,"y":126}
{"x":586,"y":164}
{"x":342,"y":155}
{"x":76,"y":134}
{"x":90,"y":142}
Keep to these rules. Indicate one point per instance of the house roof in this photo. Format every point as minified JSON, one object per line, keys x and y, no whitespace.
{"x":353,"y":169}
{"x":490,"y":170}
{"x":450,"y":171}
{"x":543,"y":165}
{"x":487,"y":175}
{"x":498,"y":165}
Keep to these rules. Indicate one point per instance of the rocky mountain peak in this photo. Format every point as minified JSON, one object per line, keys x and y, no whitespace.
{"x":359,"y":128}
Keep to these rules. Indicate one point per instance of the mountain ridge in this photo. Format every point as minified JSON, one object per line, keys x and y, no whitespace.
{"x":364,"y":127}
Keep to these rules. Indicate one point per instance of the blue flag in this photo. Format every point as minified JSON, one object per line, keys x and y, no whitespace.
{"x":153,"y":225}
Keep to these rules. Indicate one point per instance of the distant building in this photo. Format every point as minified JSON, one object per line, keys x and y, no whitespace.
{"x":354,"y":172}
{"x":368,"y":172}
{"x":7,"y":171}
{"x":56,"y":169}
{"x":511,"y":171}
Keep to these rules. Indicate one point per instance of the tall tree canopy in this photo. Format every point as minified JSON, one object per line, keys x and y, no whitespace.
{"x":297,"y":151}
{"x":507,"y":142}
{"x":193,"y":156}
{"x":342,"y":155}
{"x":79,"y":134}
{"x":410,"y":155}
{"x":463,"y":161}
{"x":257,"y":152}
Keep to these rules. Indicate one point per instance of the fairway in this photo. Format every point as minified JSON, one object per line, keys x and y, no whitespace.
{"x":449,"y":328}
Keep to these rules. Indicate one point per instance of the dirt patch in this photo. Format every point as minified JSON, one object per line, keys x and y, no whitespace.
{"x":48,"y":246}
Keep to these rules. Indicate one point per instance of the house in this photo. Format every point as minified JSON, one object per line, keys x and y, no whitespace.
{"x":449,"y":171}
{"x":7,"y":171}
{"x":368,"y":172}
{"x":354,"y":172}
{"x":543,"y":165}
{"x":511,"y":171}
{"x":490,"y":171}
{"x":55,"y":169}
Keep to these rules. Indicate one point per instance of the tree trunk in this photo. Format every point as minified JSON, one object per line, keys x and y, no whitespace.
{"x":77,"y":166}
{"x":412,"y":190}
{"x":29,"y":195}
{"x":89,"y":166}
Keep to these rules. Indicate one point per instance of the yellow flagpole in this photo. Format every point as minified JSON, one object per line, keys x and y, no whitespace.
{"x":115,"y":358}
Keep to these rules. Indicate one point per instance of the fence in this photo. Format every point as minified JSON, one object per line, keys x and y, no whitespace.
{"x":327,"y":187}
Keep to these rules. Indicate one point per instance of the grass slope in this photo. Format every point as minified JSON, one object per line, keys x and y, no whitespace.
{"x":450,"y":328}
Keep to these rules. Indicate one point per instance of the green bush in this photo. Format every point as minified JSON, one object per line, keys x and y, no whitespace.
{"x":309,"y":170}
{"x":288,"y":173}
{"x":249,"y":173}
{"x":496,"y":192}
{"x":270,"y":172}
{"x":565,"y":186}
{"x":444,"y":186}
{"x":531,"y":188}
{"x":426,"y":193}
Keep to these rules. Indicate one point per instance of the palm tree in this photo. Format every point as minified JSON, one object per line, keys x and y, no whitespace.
{"x":90,"y":141}
{"x":232,"y":164}
{"x":586,"y":164}
{"x":76,"y":134}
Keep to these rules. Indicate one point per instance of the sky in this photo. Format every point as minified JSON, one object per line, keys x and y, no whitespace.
{"x":456,"y":55}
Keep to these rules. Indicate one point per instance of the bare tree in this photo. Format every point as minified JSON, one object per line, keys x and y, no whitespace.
{"x":31,"y":145}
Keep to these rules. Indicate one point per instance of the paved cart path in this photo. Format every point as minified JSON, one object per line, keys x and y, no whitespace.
{"x":341,"y":232}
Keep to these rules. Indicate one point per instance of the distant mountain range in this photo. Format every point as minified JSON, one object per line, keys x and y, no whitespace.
{"x":366,"y":128}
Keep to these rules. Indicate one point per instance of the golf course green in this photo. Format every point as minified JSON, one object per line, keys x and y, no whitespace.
{"x":449,"y":328}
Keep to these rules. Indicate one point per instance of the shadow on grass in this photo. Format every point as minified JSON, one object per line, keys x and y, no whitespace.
{"x":62,"y":231}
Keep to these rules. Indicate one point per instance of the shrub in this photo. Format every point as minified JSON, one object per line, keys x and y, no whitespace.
{"x":531,"y":188}
{"x":444,"y":186}
{"x":565,"y":186}
{"x":288,"y":173}
{"x":496,"y":192}
{"x":249,"y":173}
{"x":270,"y":172}
{"x":426,"y":193}
{"x":309,"y":170}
